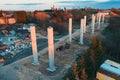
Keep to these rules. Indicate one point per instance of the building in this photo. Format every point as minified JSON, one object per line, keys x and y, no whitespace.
{"x":109,"y":70}
{"x":7,"y":18}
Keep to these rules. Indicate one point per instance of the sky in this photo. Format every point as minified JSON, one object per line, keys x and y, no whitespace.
{"x":41,"y":1}
{"x":47,"y":4}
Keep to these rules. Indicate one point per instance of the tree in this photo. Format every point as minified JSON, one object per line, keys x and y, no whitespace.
{"x":80,"y":64}
{"x":75,"y":69}
{"x":96,"y":53}
{"x":77,"y":77}
{"x":89,"y":66}
{"x":20,"y":16}
{"x":67,"y":78}
{"x":94,"y":43}
{"x":83,"y":75}
{"x":112,"y":34}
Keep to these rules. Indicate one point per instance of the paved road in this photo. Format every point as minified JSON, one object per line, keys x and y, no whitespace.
{"x":42,"y":43}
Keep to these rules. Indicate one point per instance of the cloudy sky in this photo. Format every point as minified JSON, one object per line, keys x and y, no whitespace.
{"x":43,"y":1}
{"x":47,"y":4}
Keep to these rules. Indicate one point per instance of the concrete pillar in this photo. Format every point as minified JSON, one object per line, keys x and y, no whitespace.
{"x":103,"y":18}
{"x":51,"y":49}
{"x":81,"y":32}
{"x":97,"y":18}
{"x":34,"y":45}
{"x":93,"y":23}
{"x":70,"y":29}
{"x":84,"y":29}
{"x":99,"y":21}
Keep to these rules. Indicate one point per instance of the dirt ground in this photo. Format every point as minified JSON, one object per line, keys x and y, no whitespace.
{"x":24,"y":70}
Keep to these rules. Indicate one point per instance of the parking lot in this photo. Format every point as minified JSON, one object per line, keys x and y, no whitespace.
{"x":18,"y":52}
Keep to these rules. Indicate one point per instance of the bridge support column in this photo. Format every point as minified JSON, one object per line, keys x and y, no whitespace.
{"x":34,"y":45}
{"x":51,"y":49}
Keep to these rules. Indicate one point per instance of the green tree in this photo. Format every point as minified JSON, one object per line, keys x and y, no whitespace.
{"x":112,"y":38}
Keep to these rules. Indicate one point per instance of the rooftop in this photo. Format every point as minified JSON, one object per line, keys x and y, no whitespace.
{"x":111,"y":69}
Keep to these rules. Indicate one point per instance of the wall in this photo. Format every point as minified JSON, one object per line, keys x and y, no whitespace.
{"x":101,"y":76}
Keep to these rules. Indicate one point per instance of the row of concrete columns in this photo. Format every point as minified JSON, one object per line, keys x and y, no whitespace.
{"x":101,"y":18}
{"x":83,"y":25}
{"x":50,"y":47}
{"x":51,"y":39}
{"x":82,"y":29}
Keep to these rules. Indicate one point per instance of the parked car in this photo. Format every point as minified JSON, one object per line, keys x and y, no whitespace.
{"x":7,"y":56}
{"x":3,"y":47}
